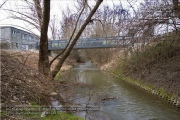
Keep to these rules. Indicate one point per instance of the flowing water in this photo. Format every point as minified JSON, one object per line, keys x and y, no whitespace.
{"x":117,"y":100}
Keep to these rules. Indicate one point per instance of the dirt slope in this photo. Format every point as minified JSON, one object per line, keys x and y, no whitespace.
{"x":20,"y":83}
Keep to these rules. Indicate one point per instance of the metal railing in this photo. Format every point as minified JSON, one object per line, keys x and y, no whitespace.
{"x":90,"y":43}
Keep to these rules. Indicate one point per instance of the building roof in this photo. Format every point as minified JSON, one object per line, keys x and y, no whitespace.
{"x":18,"y":28}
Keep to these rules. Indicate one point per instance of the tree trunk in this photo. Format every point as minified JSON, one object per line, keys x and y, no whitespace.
{"x":176,"y":8}
{"x":67,"y":52}
{"x":43,"y":65}
{"x":38,"y":11}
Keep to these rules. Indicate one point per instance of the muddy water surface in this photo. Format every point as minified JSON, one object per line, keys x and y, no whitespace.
{"x":116,"y":99}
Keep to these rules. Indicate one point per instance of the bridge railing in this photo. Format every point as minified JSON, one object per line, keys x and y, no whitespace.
{"x":105,"y":41}
{"x":91,"y":42}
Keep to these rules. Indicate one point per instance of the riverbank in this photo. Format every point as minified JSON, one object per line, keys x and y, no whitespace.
{"x":115,"y":98}
{"x":155,"y":69}
{"x":173,"y":99}
{"x":23,"y":87}
{"x":169,"y":97}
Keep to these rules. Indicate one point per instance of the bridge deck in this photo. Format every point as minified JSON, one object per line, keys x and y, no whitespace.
{"x":90,"y":43}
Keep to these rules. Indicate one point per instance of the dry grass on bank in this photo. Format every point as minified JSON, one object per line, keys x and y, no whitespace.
{"x":20,"y":81}
{"x":158,"y":65}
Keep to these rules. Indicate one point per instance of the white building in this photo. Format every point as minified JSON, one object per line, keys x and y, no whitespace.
{"x":18,"y":39}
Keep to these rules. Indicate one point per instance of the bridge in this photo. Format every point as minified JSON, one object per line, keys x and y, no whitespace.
{"x":91,"y":43}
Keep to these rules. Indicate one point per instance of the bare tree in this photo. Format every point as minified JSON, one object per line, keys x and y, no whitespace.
{"x":43,"y":64}
{"x":68,"y":22}
{"x":54,"y":28}
{"x":26,"y":13}
{"x":73,"y":42}
{"x":38,"y":11}
{"x":176,"y":8}
{"x":3,"y":3}
{"x":39,"y":17}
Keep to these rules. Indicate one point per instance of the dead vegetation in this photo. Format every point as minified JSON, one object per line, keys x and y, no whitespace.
{"x":158,"y":65}
{"x":21,"y":84}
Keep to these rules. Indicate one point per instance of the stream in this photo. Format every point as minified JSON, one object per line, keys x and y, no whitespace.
{"x":116,"y":99}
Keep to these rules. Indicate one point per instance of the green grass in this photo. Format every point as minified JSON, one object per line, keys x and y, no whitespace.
{"x":57,"y":116}
{"x":57,"y":76}
{"x":62,"y":116}
{"x":135,"y":82}
{"x":33,"y":114}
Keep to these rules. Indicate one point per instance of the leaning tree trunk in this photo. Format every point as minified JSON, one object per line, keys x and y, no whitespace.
{"x":43,"y":65}
{"x":70,"y":47}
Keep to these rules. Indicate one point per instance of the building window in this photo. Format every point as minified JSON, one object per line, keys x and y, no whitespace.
{"x":22,"y":36}
{"x":29,"y":37}
{"x":25,"y":36}
{"x":32,"y":37}
{"x":13,"y":32}
{"x":16,"y":45}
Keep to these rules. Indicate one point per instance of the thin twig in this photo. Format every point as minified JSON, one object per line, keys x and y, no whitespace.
{"x":70,"y":37}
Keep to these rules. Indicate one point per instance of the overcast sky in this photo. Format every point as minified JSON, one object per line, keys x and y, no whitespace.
{"x":56,"y":7}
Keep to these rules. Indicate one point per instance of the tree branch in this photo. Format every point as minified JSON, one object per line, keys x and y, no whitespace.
{"x":39,"y":11}
{"x":3,"y":4}
{"x":70,"y":37}
{"x":70,"y":47}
